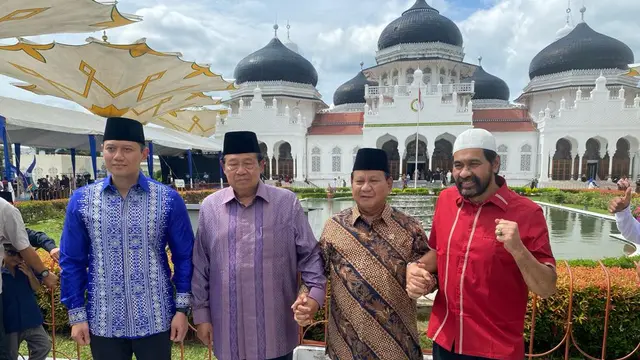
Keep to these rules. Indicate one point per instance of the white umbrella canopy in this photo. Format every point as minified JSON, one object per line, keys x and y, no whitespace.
{"x":201,"y":122}
{"x":162,"y":105}
{"x":634,"y":70}
{"x":39,"y":17}
{"x":106,"y":79}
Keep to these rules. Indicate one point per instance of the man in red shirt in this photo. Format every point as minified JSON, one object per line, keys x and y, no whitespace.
{"x":492,"y":247}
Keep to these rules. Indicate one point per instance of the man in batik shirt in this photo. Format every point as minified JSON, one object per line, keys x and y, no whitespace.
{"x":367,"y":249}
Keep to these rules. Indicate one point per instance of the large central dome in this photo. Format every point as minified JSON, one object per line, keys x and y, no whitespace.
{"x":276,"y":62}
{"x":582,"y":48}
{"x":420,"y":24}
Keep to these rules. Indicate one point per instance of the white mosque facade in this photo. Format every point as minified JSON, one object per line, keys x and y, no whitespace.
{"x":577,"y":118}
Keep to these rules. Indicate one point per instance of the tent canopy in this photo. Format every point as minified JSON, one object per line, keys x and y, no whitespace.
{"x":39,"y":125}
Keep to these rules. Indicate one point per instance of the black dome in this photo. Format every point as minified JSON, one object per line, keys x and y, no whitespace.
{"x":488,"y":87}
{"x":582,"y":48}
{"x":420,"y":24}
{"x":352,"y":92}
{"x":276,"y":62}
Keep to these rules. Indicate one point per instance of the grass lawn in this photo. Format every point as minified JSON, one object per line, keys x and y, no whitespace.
{"x":577,"y":206}
{"x":52,"y":227}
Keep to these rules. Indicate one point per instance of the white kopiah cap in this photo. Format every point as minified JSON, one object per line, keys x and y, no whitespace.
{"x":475,"y":139}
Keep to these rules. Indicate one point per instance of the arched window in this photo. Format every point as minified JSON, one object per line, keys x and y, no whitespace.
{"x":315,"y":159}
{"x":502,"y":151}
{"x":410,"y":72}
{"x":525,"y":158}
{"x":336,"y":159}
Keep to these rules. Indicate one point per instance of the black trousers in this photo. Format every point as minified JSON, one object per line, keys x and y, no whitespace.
{"x":4,"y":340}
{"x":154,"y":347}
{"x":440,"y":353}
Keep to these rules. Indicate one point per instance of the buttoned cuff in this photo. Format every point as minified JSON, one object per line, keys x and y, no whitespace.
{"x":201,"y":316}
{"x":183,"y":300}
{"x":77,"y":315}
{"x":317,"y":295}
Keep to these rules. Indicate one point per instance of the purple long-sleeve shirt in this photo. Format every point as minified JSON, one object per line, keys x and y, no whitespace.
{"x":246,"y":261}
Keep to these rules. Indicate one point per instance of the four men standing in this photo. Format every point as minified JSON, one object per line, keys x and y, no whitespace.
{"x":488,"y":247}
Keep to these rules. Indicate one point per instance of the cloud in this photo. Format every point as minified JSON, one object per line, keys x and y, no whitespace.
{"x":336,"y":36}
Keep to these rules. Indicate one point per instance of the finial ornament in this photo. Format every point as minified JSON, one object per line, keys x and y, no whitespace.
{"x":583,"y":10}
{"x":361,"y":65}
{"x":275,"y":30}
{"x":480,"y":60}
{"x":104,"y":36}
{"x":288,"y":29}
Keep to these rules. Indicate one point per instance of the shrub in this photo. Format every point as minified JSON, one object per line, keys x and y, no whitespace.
{"x":33,"y":211}
{"x":589,"y":300}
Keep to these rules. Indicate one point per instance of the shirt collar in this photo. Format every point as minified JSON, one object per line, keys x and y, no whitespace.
{"x":385,"y":216}
{"x":143,"y":183}
{"x":500,"y":198}
{"x":262,"y":193}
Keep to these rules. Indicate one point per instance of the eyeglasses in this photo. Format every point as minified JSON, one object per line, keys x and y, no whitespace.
{"x":246,"y":166}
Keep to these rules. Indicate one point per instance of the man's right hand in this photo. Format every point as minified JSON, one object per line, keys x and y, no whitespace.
{"x":80,"y":333}
{"x":622,"y":202}
{"x":419,"y":281}
{"x":204,"y":332}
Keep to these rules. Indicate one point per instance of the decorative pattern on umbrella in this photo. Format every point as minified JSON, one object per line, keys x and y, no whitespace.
{"x":201,"y":122}
{"x":151,"y":109}
{"x":106,"y":79}
{"x":38,"y":17}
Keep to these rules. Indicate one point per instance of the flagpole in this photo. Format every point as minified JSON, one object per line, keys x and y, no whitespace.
{"x":415,"y":166}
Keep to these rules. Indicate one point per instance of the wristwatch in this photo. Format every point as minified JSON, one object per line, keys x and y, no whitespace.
{"x":44,"y":274}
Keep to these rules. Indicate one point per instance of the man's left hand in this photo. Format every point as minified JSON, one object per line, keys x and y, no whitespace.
{"x":55,"y":254}
{"x":179,"y":327}
{"x":304,"y":309}
{"x":508,"y":234}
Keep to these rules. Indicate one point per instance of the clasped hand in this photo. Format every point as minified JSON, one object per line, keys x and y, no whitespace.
{"x":419,"y":281}
{"x":304,"y":309}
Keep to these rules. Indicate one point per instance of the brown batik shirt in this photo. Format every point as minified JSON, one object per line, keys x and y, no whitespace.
{"x":371,"y":316}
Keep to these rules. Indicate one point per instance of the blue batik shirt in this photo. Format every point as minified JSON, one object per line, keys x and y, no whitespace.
{"x":113,"y":249}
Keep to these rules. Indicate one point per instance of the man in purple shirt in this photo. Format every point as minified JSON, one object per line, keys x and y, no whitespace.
{"x":252,"y":241}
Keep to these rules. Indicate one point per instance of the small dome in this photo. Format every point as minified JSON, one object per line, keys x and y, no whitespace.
{"x":276,"y":62}
{"x":420,"y":24}
{"x":352,"y":92}
{"x":488,"y":87}
{"x":582,"y":48}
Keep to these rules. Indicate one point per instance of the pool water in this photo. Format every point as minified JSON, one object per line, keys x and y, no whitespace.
{"x":572,"y":235}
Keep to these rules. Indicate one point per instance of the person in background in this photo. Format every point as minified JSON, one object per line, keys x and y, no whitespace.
{"x":492,"y":248}
{"x":253,"y":239}
{"x":366,"y":251}
{"x":113,"y":256}
{"x":12,"y":231}
{"x":629,"y":226}
{"x":23,"y":317}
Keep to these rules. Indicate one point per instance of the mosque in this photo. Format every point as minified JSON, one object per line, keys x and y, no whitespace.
{"x":575,"y":120}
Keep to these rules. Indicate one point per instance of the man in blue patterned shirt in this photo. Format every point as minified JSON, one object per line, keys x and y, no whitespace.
{"x":113,"y":248}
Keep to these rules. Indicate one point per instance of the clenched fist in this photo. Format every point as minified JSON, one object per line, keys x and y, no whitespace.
{"x":508,"y":234}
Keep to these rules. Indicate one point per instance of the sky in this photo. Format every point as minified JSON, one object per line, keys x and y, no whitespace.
{"x":336,"y":35}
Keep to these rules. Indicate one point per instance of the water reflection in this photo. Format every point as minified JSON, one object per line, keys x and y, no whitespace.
{"x":573,"y":235}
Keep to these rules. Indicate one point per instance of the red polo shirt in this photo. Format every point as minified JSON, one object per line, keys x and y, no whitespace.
{"x":481,"y":305}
